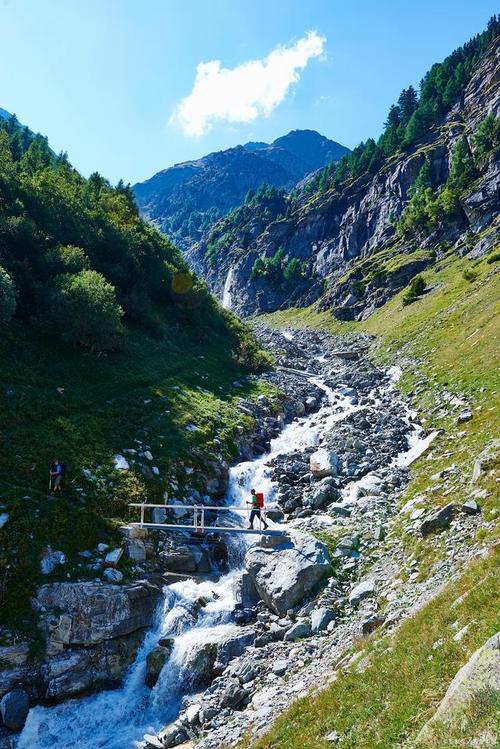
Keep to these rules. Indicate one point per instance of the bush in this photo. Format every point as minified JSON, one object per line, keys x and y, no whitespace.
{"x":85,"y":312}
{"x":415,"y":289}
{"x":7,"y":296}
{"x":469,"y":275}
{"x":67,"y":259}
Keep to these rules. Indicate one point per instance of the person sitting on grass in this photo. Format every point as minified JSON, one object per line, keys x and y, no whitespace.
{"x":56,"y":473}
{"x":257,"y":502}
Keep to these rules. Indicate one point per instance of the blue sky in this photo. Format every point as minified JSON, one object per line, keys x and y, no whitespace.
{"x":117,"y":83}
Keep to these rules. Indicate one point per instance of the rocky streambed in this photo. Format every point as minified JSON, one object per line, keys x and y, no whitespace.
{"x":225,"y":654}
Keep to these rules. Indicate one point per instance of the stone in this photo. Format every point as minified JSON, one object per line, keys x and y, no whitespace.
{"x":324,"y":463}
{"x":438,"y":520}
{"x":233,"y":695}
{"x":336,"y":508}
{"x":280,"y":667}
{"x":50,"y":560}
{"x":112,"y":575}
{"x":14,"y":708}
{"x":135,"y":550}
{"x":379,"y":533}
{"x":113,"y":556}
{"x":371,"y":623}
{"x":485,"y":458}
{"x":464,"y":416}
{"x":479,"y":676}
{"x":131,"y":531}
{"x":285,"y":575}
{"x":153,"y":742}
{"x":121,"y":463}
{"x":4,"y":516}
{"x":470,"y":507}
{"x":192,"y":713}
{"x":333,"y":737}
{"x":172,"y":735}
{"x":297,"y":631}
{"x":155,"y":660}
{"x":364,"y":589}
{"x":320,"y":619}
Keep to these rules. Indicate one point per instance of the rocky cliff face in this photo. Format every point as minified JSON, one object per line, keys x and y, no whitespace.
{"x":187,"y":198}
{"x":91,"y":633}
{"x":334,"y":233}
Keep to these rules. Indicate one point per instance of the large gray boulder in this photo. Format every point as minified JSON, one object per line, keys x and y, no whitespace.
{"x":285,"y":574}
{"x":87,"y":613}
{"x":477,"y":680}
{"x":324,"y":463}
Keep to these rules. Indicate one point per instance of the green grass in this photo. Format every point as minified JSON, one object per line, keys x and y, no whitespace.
{"x":447,"y":341}
{"x":149,"y":392}
{"x":384,"y":704}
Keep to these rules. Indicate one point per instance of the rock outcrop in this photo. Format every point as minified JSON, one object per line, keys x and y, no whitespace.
{"x":287,"y":571}
{"x":338,"y":236}
{"x":92,"y":632}
{"x":479,"y":680}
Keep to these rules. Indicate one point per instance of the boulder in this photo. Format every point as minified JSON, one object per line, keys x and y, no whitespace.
{"x":364,"y":589}
{"x":50,"y":560}
{"x":324,"y":463}
{"x":112,"y":576}
{"x":78,"y":670}
{"x":121,"y":463}
{"x":297,"y":631}
{"x":438,"y":520}
{"x":113,"y":557}
{"x":135,"y":550}
{"x":473,"y":682}
{"x":233,"y":694}
{"x":470,"y":507}
{"x":14,"y":708}
{"x":280,"y":667}
{"x":320,"y":619}
{"x":85,"y":613}
{"x":285,"y":575}
{"x":155,"y":660}
{"x":172,"y":735}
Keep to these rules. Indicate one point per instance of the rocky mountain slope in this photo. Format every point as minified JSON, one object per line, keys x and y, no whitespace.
{"x":354,"y":241}
{"x":184,"y":200}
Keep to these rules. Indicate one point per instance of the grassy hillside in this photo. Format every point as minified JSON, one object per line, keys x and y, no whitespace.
{"x":447,"y":342}
{"x":107,"y":343}
{"x":83,"y":408}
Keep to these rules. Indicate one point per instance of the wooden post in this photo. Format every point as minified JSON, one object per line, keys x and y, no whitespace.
{"x":142,"y":514}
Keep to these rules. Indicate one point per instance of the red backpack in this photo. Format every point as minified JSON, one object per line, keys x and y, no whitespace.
{"x":260,"y":499}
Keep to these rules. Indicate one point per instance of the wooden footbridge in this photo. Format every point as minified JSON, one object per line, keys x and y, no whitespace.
{"x":198,"y":524}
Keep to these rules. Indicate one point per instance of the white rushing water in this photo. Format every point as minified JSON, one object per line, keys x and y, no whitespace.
{"x":118,"y":719}
{"x":226,"y":294}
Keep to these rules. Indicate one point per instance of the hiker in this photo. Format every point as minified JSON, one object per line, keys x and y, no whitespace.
{"x":56,"y":473}
{"x":257,"y":503}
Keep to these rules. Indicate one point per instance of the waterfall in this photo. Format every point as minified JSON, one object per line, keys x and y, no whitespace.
{"x":226,"y":294}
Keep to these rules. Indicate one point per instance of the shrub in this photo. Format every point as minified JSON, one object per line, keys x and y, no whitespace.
{"x":469,"y":275}
{"x":67,"y":259}
{"x":415,"y":289}
{"x":85,"y":312}
{"x":7,"y":296}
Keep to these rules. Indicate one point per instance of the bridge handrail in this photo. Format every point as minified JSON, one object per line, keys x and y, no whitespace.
{"x":191,"y":507}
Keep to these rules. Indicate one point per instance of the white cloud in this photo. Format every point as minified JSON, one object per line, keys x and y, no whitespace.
{"x":241,"y":94}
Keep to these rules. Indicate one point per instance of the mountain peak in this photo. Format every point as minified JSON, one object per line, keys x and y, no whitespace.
{"x":184,"y":200}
